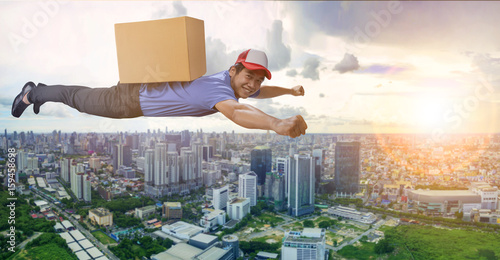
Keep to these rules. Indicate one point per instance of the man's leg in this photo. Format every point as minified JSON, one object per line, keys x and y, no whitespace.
{"x":120,"y":101}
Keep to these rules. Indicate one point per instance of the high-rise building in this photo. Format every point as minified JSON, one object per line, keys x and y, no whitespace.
{"x":122,"y":155}
{"x":187,"y":165}
{"x":149,"y":162}
{"x":160,"y":165}
{"x":208,"y":153}
{"x":301,"y":186}
{"x":220,"y":197}
{"x":318,"y":155}
{"x":172,"y":168}
{"x":307,"y":244}
{"x":347,"y":164}
{"x":283,"y":166}
{"x":261,"y":162}
{"x":247,"y":187}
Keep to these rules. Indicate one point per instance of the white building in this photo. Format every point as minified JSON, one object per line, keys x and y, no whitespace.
{"x":182,"y":230}
{"x":238,"y":208}
{"x":489,"y":194}
{"x":214,"y":218}
{"x":305,"y":245}
{"x":220,"y":197}
{"x":247,"y":187}
{"x":352,"y":214}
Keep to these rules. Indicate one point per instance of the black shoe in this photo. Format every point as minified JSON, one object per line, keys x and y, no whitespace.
{"x":36,"y":106}
{"x":18,"y":106}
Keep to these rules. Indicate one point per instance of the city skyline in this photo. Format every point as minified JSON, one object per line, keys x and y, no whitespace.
{"x":367,"y":67}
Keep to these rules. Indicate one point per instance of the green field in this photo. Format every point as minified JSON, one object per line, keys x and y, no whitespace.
{"x":268,"y":218}
{"x":47,"y":251}
{"x":105,"y":239}
{"x":425,"y":242}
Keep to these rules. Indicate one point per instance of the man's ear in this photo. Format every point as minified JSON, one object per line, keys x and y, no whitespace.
{"x":232,"y":71}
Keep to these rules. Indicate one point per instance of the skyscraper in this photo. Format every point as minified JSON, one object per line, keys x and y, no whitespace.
{"x":261,"y":162}
{"x":160,"y":165}
{"x":247,"y":187}
{"x":347,"y":165}
{"x":283,"y":166}
{"x":301,"y":186}
{"x":318,"y":161}
{"x":149,"y":163}
{"x":66,"y":169}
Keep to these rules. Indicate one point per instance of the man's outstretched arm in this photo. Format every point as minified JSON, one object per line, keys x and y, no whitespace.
{"x":250,"y":117}
{"x":275,"y":91}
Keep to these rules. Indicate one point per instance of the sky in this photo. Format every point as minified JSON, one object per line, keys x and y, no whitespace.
{"x":366,"y":67}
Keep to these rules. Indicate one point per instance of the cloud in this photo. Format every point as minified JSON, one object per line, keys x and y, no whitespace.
{"x":279,"y":111}
{"x":180,"y":9}
{"x":163,"y":10}
{"x":348,"y":63}
{"x":384,"y":69}
{"x":311,"y":66}
{"x":218,"y":58}
{"x":278,"y":52}
{"x":292,"y":73}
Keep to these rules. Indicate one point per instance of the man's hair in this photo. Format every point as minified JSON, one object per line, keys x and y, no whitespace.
{"x":239,"y":67}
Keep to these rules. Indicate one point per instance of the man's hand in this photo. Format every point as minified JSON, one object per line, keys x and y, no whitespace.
{"x":293,"y":126}
{"x":298,"y":91}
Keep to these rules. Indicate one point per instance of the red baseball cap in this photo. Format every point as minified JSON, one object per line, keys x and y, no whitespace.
{"x":254,"y":60}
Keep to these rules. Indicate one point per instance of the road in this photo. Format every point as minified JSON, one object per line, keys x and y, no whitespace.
{"x":23,"y":244}
{"x":84,"y":231}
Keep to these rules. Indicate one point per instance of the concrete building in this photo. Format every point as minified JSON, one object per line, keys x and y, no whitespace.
{"x":220,"y":197}
{"x":203,"y":241}
{"x":213,"y":219}
{"x":489,"y":194}
{"x":261,"y":162}
{"x":307,"y":244}
{"x":144,"y":212}
{"x":238,"y":208}
{"x":438,"y":202}
{"x":301,"y":186}
{"x":182,"y":230}
{"x":347,"y":167}
{"x":101,"y":216}
{"x":247,"y":187}
{"x":352,"y":214}
{"x":172,"y":210}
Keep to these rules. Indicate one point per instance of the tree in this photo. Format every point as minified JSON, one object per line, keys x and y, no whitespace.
{"x":324,"y":224}
{"x":383,"y":247}
{"x":308,"y":223}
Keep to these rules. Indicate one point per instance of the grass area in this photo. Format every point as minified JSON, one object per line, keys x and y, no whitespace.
{"x":105,"y":239}
{"x":48,"y":251}
{"x":355,"y":228}
{"x":276,"y":238}
{"x":363,"y":251}
{"x":268,"y":218}
{"x":433,"y":243}
{"x":322,"y":218}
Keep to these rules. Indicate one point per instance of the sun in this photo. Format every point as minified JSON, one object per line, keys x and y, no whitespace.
{"x":429,"y":112}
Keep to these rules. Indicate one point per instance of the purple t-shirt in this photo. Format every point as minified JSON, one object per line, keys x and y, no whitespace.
{"x":193,"y":98}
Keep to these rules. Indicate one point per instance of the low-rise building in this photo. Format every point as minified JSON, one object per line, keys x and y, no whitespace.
{"x":101,"y":216}
{"x":144,"y":212}
{"x":352,"y":214}
{"x":238,"y":208}
{"x":172,"y":210}
{"x":182,"y":230}
{"x":213,"y":219}
{"x":306,"y":244}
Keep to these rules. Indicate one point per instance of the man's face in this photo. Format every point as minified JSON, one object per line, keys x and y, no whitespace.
{"x":247,"y":82}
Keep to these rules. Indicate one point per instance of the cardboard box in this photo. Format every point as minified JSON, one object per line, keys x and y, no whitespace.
{"x":161,"y":50}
